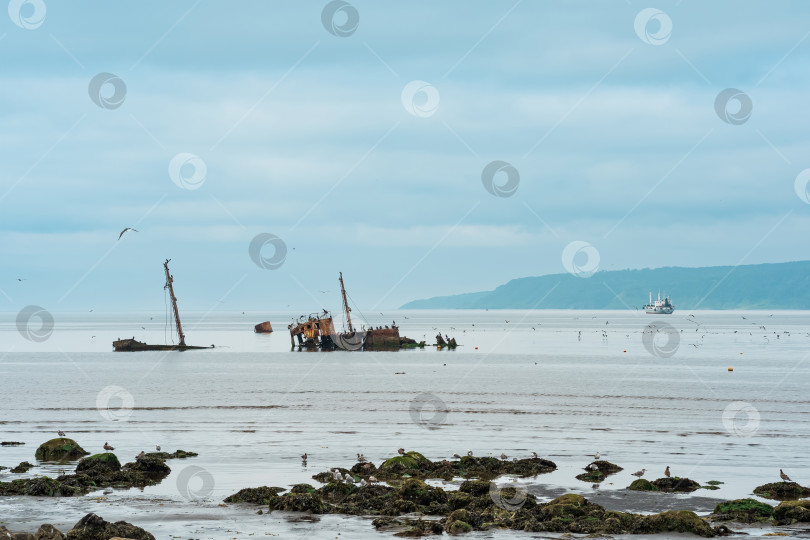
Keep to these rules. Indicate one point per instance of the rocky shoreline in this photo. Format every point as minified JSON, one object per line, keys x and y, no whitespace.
{"x":398,"y":499}
{"x":90,"y":527}
{"x":480,"y":504}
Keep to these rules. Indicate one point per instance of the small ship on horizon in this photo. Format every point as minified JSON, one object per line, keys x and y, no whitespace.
{"x":659,"y":307}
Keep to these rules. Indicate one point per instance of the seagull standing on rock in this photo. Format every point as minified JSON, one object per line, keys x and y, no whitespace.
{"x":107,"y":447}
{"x":139,"y":456}
{"x":469,"y":453}
{"x":640,"y":473}
{"x":60,"y":433}
{"x":784,"y":477}
{"x":504,"y":456}
{"x":666,"y":472}
{"x":534,"y":455}
{"x":401,"y":451}
{"x":157,"y":448}
{"x":456,"y":456}
{"x":361,"y":458}
{"x":596,"y":455}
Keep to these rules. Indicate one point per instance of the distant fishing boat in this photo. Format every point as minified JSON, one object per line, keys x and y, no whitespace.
{"x":659,"y":307}
{"x":133,"y":345}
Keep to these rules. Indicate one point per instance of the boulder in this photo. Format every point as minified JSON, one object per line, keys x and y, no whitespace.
{"x":681,"y":521}
{"x":93,"y":527}
{"x":60,"y":449}
{"x":48,"y":532}
{"x":99,"y":464}
{"x":259,"y":495}
{"x":22,"y":467}
{"x":782,"y":491}
{"x":789,"y":512}
{"x":742,"y":511}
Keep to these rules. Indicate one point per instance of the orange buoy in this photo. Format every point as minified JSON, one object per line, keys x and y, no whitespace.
{"x":731,"y":369}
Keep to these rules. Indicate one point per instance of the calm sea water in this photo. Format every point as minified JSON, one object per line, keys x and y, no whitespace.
{"x":645,"y":391}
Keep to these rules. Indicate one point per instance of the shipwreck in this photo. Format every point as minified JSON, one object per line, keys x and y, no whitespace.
{"x":133,"y":345}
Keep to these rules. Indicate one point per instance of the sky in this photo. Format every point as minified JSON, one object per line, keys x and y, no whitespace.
{"x":421,"y":148}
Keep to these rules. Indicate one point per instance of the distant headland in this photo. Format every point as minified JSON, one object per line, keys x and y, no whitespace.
{"x":755,"y":286}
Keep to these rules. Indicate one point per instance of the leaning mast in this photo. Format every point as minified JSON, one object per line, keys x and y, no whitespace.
{"x":346,"y":303}
{"x":169,"y":280}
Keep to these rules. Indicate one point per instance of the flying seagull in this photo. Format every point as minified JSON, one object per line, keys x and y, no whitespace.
{"x":125,"y":230}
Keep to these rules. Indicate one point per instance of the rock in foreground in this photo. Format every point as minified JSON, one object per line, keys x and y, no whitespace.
{"x":789,"y":512}
{"x":742,"y":511}
{"x":90,"y":527}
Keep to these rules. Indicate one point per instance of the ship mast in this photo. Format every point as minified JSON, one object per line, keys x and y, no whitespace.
{"x":169,"y":280}
{"x":346,"y":303}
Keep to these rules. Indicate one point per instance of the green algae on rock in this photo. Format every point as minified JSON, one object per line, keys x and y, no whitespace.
{"x":667,"y":485}
{"x":93,"y":472}
{"x":260,"y":495}
{"x":789,"y":512}
{"x":93,"y":527}
{"x":682,"y":521}
{"x":60,"y":449}
{"x":782,"y":491}
{"x":742,"y":511}
{"x":598,"y":470}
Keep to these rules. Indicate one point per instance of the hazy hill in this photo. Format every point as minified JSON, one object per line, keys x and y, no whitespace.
{"x":756,"y":286}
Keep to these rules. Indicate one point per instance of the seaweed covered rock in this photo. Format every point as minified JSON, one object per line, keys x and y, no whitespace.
{"x":259,"y":495}
{"x":408,"y":528}
{"x":177,"y":454}
{"x":597,"y":471}
{"x":60,"y":449}
{"x":782,"y":491}
{"x":94,"y":472}
{"x":41,"y":486}
{"x":674,"y":484}
{"x":409,"y":463}
{"x":48,"y":532}
{"x":742,"y":511}
{"x":99,"y":464}
{"x":149,"y":465}
{"x":642,"y":485}
{"x":682,"y":521}
{"x":22,"y":467}
{"x":667,"y":485}
{"x":93,"y":527}
{"x":789,"y":512}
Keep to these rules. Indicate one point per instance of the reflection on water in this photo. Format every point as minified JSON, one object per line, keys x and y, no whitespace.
{"x":561,"y":383}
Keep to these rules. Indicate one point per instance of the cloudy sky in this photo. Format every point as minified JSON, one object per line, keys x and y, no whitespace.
{"x":357,"y":135}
